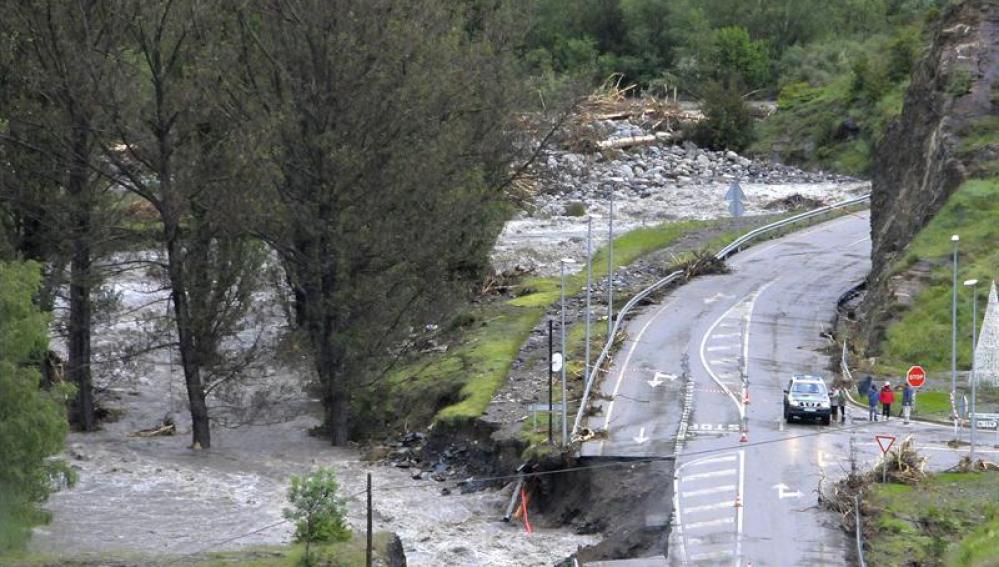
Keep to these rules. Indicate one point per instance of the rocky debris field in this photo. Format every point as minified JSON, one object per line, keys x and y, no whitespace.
{"x":650,"y":184}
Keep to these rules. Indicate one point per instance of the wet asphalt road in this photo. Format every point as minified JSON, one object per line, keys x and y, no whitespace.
{"x":723,"y":347}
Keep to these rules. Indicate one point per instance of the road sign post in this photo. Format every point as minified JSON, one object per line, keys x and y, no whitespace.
{"x":882,"y":439}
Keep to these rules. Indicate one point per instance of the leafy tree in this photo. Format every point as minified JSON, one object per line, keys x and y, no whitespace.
{"x":391,"y":143}
{"x":33,"y":420}
{"x":320,"y":516}
{"x":734,"y":56}
{"x":727,"y":123}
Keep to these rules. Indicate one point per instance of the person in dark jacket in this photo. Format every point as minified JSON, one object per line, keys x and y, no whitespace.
{"x":886,"y":397}
{"x":908,"y":397}
{"x":872,"y":403}
{"x":841,"y":402}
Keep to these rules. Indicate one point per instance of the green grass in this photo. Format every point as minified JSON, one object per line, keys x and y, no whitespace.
{"x":459,"y":384}
{"x":345,"y":554}
{"x":921,"y":335}
{"x":945,"y":521}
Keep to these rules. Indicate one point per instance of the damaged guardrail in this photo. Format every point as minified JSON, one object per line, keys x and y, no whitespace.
{"x":722,"y":254}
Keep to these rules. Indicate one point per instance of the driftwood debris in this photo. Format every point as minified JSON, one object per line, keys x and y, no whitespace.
{"x":165,"y":428}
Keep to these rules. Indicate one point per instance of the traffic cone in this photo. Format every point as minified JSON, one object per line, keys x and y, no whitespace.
{"x":738,"y":501}
{"x":744,"y":437}
{"x":745,"y":397}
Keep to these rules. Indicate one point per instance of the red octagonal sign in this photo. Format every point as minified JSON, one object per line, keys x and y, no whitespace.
{"x":916,"y":376}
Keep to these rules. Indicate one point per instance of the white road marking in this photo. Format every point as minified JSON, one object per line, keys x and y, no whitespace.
{"x":711,"y":474}
{"x":725,"y":335}
{"x":783,"y":492}
{"x":713,"y":460}
{"x":641,"y":436}
{"x":739,"y":511}
{"x":856,"y":242}
{"x":711,"y":555}
{"x":721,"y":347}
{"x":706,"y":507}
{"x":624,"y":367}
{"x":705,"y":491}
{"x":709,"y":523}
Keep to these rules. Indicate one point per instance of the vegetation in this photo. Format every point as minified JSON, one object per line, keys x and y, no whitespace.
{"x":922,"y":333}
{"x":319,"y":514}
{"x":950,"y":519}
{"x":34,"y":421}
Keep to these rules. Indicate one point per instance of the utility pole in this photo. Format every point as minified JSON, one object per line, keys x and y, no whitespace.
{"x":367,"y":556}
{"x":589,"y":284}
{"x":551,"y":379}
{"x":565,"y":395}
{"x":610,"y":269}
{"x":953,"y":334}
{"x":973,"y":284}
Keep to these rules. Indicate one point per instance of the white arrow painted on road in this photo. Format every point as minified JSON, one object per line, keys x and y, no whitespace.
{"x":657,"y":380}
{"x":641,"y":437}
{"x":782,"y":492}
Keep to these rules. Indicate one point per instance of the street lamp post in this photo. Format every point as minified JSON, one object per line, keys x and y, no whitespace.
{"x":610,"y":269}
{"x":589,"y":284}
{"x":953,"y":337}
{"x":973,"y":284}
{"x":565,"y":405}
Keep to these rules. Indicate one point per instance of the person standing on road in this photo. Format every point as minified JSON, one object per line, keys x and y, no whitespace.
{"x":841,"y":402}
{"x":907,"y":399}
{"x":887,"y":397}
{"x":833,"y":407}
{"x":872,"y":403}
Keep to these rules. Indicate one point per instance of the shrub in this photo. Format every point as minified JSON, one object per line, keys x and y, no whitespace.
{"x":727,"y":123}
{"x":319,"y":515}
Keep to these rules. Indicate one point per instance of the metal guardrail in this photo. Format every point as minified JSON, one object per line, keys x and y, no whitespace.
{"x":722,"y":254}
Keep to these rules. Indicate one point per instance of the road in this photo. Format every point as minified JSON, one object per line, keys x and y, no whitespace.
{"x":701,"y":376}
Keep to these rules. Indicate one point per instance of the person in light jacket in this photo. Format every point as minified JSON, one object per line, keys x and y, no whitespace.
{"x":872,"y":403}
{"x":886,"y":397}
{"x":908,"y":397}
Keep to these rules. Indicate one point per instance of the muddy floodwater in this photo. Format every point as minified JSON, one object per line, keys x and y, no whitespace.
{"x":153,"y":497}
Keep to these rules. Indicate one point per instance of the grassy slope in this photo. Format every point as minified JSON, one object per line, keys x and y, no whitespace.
{"x":804,"y":130}
{"x":951,"y":519}
{"x":922,"y":334}
{"x":480,"y":362}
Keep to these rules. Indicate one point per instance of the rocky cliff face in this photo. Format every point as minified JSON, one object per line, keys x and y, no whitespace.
{"x":934,"y":145}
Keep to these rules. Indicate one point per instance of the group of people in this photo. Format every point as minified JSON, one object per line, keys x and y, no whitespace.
{"x":886,"y":397}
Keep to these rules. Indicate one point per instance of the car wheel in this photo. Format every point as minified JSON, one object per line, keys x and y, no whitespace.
{"x":826,"y":420}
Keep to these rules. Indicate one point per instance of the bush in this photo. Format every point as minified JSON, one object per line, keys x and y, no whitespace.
{"x":319,"y":515}
{"x":32,"y":420}
{"x":727,"y":123}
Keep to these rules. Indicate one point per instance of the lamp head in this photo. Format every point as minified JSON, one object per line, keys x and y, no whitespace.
{"x":955,"y":238}
{"x":971,"y":283}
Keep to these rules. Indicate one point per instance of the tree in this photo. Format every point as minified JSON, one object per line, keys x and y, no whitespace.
{"x":34,"y":422}
{"x":176,"y":145}
{"x":727,"y":123}
{"x":391,"y":133}
{"x":55,"y":194}
{"x":320,"y":516}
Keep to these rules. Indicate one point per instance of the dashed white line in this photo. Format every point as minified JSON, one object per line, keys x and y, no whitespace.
{"x":709,"y":474}
{"x":709,"y":523}
{"x":713,"y":460}
{"x":707,"y":507}
{"x":721,"y":347}
{"x":711,"y":555}
{"x":705,"y":491}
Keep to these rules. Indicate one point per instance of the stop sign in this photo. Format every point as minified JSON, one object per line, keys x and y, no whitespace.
{"x":916,"y":376}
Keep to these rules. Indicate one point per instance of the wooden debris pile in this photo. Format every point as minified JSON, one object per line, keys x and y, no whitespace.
{"x":904,"y":464}
{"x":661,"y":118}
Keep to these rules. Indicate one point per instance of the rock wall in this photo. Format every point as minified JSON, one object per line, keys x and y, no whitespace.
{"x":922,"y":160}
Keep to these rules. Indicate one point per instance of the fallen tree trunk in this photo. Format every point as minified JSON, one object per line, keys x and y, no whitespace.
{"x":616,"y":143}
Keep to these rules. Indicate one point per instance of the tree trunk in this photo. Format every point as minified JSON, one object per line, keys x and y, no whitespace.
{"x":200,"y":426}
{"x":336,"y":394}
{"x":80,"y":308}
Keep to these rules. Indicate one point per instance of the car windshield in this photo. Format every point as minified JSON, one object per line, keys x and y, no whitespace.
{"x":809,"y":388}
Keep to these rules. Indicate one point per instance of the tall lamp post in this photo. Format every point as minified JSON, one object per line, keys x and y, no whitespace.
{"x":589,"y":285}
{"x":973,"y":284}
{"x":610,"y":268}
{"x":565,"y":404}
{"x":953,"y":337}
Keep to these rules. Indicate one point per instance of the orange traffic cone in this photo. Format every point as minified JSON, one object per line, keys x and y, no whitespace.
{"x":738,"y":501}
{"x":744,"y":438}
{"x":745,"y":397}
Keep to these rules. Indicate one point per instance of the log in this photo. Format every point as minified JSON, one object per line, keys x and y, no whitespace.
{"x":629,"y":141}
